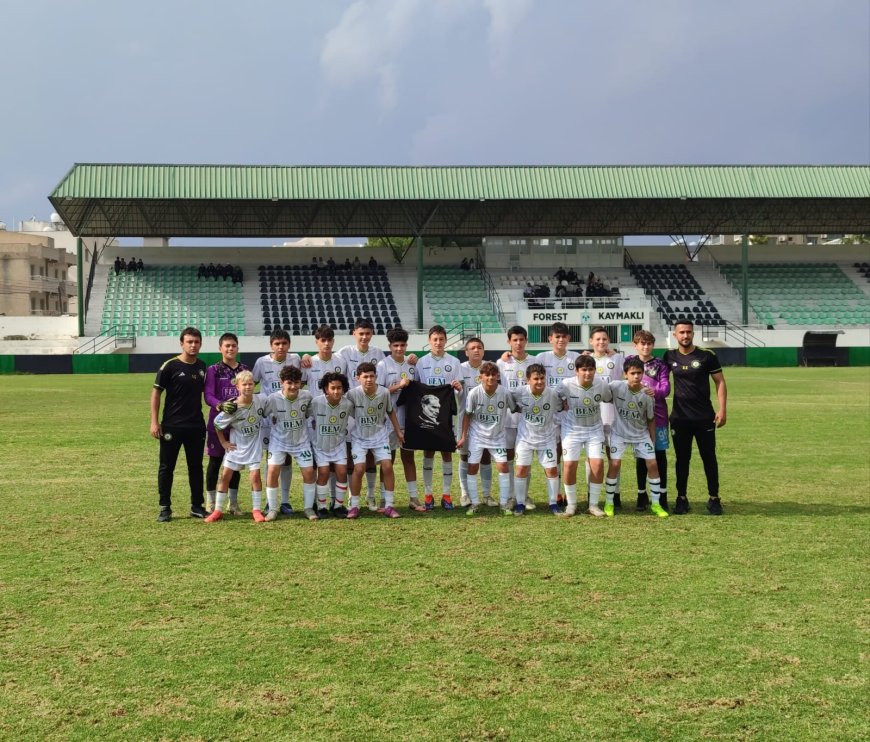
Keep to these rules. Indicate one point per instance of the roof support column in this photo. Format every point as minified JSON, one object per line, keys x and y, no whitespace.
{"x":80,"y":285}
{"x":418,"y":241}
{"x":744,"y":275}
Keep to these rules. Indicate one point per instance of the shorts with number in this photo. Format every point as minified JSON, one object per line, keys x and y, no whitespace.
{"x":235,"y":464}
{"x":573,"y":446}
{"x":337,"y":455}
{"x":510,"y":437}
{"x":380,"y":448}
{"x":546,"y":454}
{"x":643,"y":449}
{"x":662,"y":442}
{"x":498,"y":452}
{"x":302,"y":454}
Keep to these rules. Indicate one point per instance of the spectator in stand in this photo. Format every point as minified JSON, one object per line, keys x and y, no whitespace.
{"x":471,"y":264}
{"x":202,"y":271}
{"x":330,"y":265}
{"x":117,"y":264}
{"x":373,"y":264}
{"x":210,"y":271}
{"x":238,"y":276}
{"x":590,"y":279}
{"x":357,"y":265}
{"x":464,"y":264}
{"x":572,"y":276}
{"x":140,"y":266}
{"x":314,"y":265}
{"x":560,"y":275}
{"x":347,"y":264}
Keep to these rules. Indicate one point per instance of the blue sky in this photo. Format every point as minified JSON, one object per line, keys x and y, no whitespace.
{"x":428,"y":82}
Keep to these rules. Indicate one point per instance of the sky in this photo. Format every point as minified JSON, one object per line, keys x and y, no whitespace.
{"x":427,"y":82}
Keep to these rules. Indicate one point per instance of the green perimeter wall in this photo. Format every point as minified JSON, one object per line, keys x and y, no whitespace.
{"x":770,"y":357}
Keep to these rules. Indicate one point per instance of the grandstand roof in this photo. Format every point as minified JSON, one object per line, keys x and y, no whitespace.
{"x":268,"y":201}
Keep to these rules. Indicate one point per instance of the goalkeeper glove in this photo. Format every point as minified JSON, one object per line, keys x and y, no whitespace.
{"x":229,"y":407}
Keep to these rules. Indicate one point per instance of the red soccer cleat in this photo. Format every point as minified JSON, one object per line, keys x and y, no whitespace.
{"x":215,"y":516}
{"x":258,"y":516}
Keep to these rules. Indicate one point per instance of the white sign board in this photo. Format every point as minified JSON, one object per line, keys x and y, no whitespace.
{"x":623,"y":316}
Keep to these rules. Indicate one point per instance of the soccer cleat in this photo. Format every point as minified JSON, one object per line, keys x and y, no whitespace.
{"x":430,"y":502}
{"x":464,"y":500}
{"x":511,"y":503}
{"x":561,"y":501}
{"x":339,"y":511}
{"x":165,"y":515}
{"x":310,"y":513}
{"x":215,"y":516}
{"x":415,"y":505}
{"x":520,"y":509}
{"x":258,"y":516}
{"x":554,"y":508}
{"x":681,"y":507}
{"x":472,"y":510}
{"x":234,"y":509}
{"x":446,"y":502}
{"x":608,"y":509}
{"x":657,"y":510}
{"x":617,"y":501}
{"x":322,"y":514}
{"x":595,"y":511}
{"x":353,"y":514}
{"x":286,"y":509}
{"x":714,"y":506}
{"x":570,"y":510}
{"x":198,"y":511}
{"x":490,"y":502}
{"x":529,"y":505}
{"x":391,"y":512}
{"x":642,"y":502}
{"x":663,"y":501}
{"x":272,"y":515}
{"x":371,"y":503}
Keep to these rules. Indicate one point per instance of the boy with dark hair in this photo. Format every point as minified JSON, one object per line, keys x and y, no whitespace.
{"x":608,"y":366}
{"x":183,"y":380}
{"x":331,"y":413}
{"x":471,"y":377}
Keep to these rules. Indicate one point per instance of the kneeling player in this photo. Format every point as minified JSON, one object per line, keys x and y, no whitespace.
{"x":331,"y":413}
{"x":372,"y":408}
{"x":582,"y":428}
{"x":635,"y":425}
{"x":288,"y":411}
{"x":244,"y":447}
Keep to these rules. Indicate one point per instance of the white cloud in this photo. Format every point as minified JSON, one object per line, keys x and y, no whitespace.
{"x":504,"y":17}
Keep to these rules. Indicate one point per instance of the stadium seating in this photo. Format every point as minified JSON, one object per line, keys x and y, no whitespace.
{"x":298,"y":298}
{"x":678,"y":293}
{"x":802,"y":294}
{"x":457,"y":297}
{"x":161,"y":300}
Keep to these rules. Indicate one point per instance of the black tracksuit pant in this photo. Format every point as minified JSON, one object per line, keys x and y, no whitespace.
{"x":704,"y":432}
{"x":193,"y":442}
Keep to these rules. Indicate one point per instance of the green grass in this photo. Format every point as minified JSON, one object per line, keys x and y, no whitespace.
{"x":754,"y":625}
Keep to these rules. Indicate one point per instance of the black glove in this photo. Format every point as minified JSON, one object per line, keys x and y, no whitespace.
{"x":229,"y":406}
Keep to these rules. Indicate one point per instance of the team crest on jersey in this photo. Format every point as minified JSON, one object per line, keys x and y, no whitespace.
{"x":437,"y":370}
{"x":631,"y":405}
{"x":520,"y":374}
{"x":597,"y":397}
{"x":167,"y":436}
{"x":293,"y":413}
{"x":536,"y":409}
{"x":611,"y":364}
{"x":403,"y":375}
{"x":586,"y":400}
{"x":560,"y":370}
{"x":260,"y":411}
{"x":547,"y":406}
{"x":448,"y":368}
{"x":477,"y":379}
{"x":381,"y":406}
{"x":343,"y":415}
{"x":501,"y":405}
{"x":333,"y":419}
{"x":570,"y":366}
{"x":599,"y":370}
{"x":370,"y":410}
{"x":652,"y":372}
{"x":696,"y":364}
{"x":490,"y":408}
{"x":252,"y":419}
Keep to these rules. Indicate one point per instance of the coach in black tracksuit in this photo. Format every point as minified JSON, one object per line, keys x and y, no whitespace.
{"x":183,"y":380}
{"x":693,"y":416}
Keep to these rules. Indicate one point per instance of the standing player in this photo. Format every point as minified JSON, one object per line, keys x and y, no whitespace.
{"x":183,"y":380}
{"x":582,"y":428}
{"x":537,"y":435}
{"x":266,"y":372}
{"x":331,"y":413}
{"x":288,"y":411}
{"x":486,"y":408}
{"x":436,"y":368}
{"x":635,"y":424}
{"x":470,"y":370}
{"x":372,"y":408}
{"x":244,"y":449}
{"x":655,"y":377}
{"x":395,"y":373}
{"x":608,"y":366}
{"x":693,"y":415}
{"x":514,"y":365}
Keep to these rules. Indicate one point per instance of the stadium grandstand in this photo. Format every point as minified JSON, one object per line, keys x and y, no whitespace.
{"x":529,"y":224}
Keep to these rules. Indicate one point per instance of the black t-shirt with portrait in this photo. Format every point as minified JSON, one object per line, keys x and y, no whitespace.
{"x":429,"y":411}
{"x":183,"y":384}
{"x":691,"y":373}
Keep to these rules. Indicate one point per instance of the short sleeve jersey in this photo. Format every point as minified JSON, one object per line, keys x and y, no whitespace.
{"x":513,"y":377}
{"x":353,"y":357}
{"x":634,"y":410}
{"x":319,"y":367}
{"x":470,"y":376}
{"x":435,"y":371}
{"x":183,"y":384}
{"x":267,"y":370}
{"x":609,"y":368}
{"x":584,"y":405}
{"x":488,"y":414}
{"x":288,"y":418}
{"x":691,"y":373}
{"x":244,"y":425}
{"x":539,"y":415}
{"x":370,"y":413}
{"x":390,"y":372}
{"x":330,"y":422}
{"x":557,"y":368}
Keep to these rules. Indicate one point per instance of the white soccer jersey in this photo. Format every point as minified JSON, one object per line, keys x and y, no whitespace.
{"x":329,"y":429}
{"x":391,"y":372}
{"x":488,"y":414}
{"x":244,"y":425}
{"x":634,"y":410}
{"x":557,"y":368}
{"x":538,"y":421}
{"x":370,"y":414}
{"x":319,"y":367}
{"x":288,"y":418}
{"x":435,"y":371}
{"x":514,"y":377}
{"x":267,"y":370}
{"x":470,"y":376}
{"x":609,"y":368}
{"x":353,"y":357}
{"x":583,"y":416}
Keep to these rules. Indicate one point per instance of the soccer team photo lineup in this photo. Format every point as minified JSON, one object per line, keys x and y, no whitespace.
{"x":346,"y":415}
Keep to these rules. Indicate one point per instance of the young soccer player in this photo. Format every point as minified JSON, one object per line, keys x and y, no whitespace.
{"x":471,"y":377}
{"x":220,"y":393}
{"x":514,"y":365}
{"x":435,"y":368}
{"x":582,"y":428}
{"x":244,"y":449}
{"x":331,"y":413}
{"x":486,"y":408}
{"x":288,"y":412}
{"x":608,"y":366}
{"x":372,"y":408}
{"x":655,"y":377}
{"x":267,"y":370}
{"x":536,"y":434}
{"x":395,"y":373}
{"x":635,"y":425}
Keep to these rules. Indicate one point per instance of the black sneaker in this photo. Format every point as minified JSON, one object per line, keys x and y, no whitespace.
{"x":617,"y":501}
{"x":642,"y":502}
{"x":663,"y":501}
{"x":322,"y":514}
{"x":198,"y":512}
{"x":286,"y":509}
{"x":714,"y":506}
{"x":682,"y":506}
{"x":165,"y":515}
{"x":339,"y":511}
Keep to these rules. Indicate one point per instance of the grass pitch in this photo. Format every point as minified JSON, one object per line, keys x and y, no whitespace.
{"x":753,"y":625}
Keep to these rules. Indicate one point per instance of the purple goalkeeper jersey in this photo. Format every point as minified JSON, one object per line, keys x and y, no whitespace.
{"x":655,"y":377}
{"x":219,"y":388}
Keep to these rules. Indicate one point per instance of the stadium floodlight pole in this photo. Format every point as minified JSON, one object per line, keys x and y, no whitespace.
{"x":79,"y":287}
{"x":744,"y":275}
